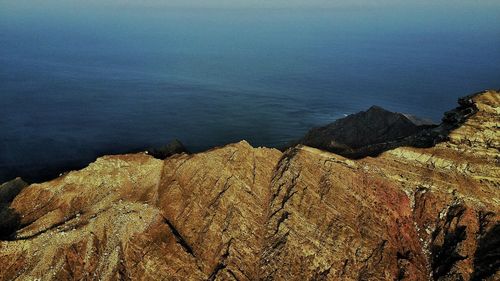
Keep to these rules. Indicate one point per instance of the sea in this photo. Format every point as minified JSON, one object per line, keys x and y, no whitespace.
{"x":80,"y":82}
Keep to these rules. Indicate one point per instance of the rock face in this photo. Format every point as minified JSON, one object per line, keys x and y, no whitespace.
{"x":9,"y":220}
{"x":244,"y":213}
{"x":365,"y":133}
{"x":376,"y":130}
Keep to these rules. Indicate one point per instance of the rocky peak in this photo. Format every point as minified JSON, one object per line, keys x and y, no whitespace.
{"x":365,"y":133}
{"x":376,"y":130}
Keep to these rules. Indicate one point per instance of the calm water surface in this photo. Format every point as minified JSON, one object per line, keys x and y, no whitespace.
{"x":76,"y":84}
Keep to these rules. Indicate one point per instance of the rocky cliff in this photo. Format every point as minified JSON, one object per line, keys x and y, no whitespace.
{"x":244,"y":213}
{"x":367,"y":133}
{"x":371,"y":132}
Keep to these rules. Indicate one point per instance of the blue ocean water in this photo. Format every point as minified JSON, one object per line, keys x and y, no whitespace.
{"x":76,"y":84}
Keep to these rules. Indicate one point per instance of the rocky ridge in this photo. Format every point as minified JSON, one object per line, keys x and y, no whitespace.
{"x":367,"y":133}
{"x":243,"y":213}
{"x":371,"y":132}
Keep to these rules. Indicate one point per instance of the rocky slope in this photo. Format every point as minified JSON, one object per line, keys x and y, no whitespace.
{"x":371,"y":132}
{"x":366,"y":133}
{"x":244,"y":213}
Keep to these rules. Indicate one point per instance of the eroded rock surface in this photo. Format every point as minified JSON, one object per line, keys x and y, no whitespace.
{"x":244,"y":213}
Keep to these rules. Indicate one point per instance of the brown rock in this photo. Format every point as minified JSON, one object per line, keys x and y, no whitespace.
{"x":244,"y":213}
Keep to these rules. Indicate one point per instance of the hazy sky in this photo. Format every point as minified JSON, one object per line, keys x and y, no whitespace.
{"x":249,"y":3}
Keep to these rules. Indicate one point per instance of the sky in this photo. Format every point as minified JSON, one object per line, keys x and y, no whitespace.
{"x":249,"y":3}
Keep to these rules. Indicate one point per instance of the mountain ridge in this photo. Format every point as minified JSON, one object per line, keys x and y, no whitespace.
{"x":243,"y":213}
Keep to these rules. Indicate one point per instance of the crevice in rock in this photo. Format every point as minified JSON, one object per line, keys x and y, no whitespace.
{"x":281,"y":241}
{"x":179,"y":238}
{"x":233,"y":274}
{"x":254,"y":169}
{"x":243,"y":272}
{"x":217,"y":198}
{"x":289,"y":193}
{"x":217,"y":269}
{"x":222,"y":263}
{"x":372,"y":261}
{"x":228,"y":219}
{"x":284,"y":216}
{"x":282,"y":166}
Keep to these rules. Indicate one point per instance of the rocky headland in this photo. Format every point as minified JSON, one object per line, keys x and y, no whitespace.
{"x":376,"y":130}
{"x":427,"y":207}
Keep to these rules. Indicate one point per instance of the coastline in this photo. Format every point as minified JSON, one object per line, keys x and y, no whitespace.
{"x":451,"y":119}
{"x":239,"y":212}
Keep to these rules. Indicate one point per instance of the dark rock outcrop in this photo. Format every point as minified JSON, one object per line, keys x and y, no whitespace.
{"x":9,"y":220}
{"x":365,"y":133}
{"x":10,"y":189}
{"x":376,"y":130}
{"x":172,"y":148}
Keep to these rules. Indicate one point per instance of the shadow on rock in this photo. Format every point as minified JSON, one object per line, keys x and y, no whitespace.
{"x":9,"y":219}
{"x":487,"y":257}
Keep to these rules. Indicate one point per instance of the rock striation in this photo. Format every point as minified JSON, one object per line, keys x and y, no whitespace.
{"x":243,"y":213}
